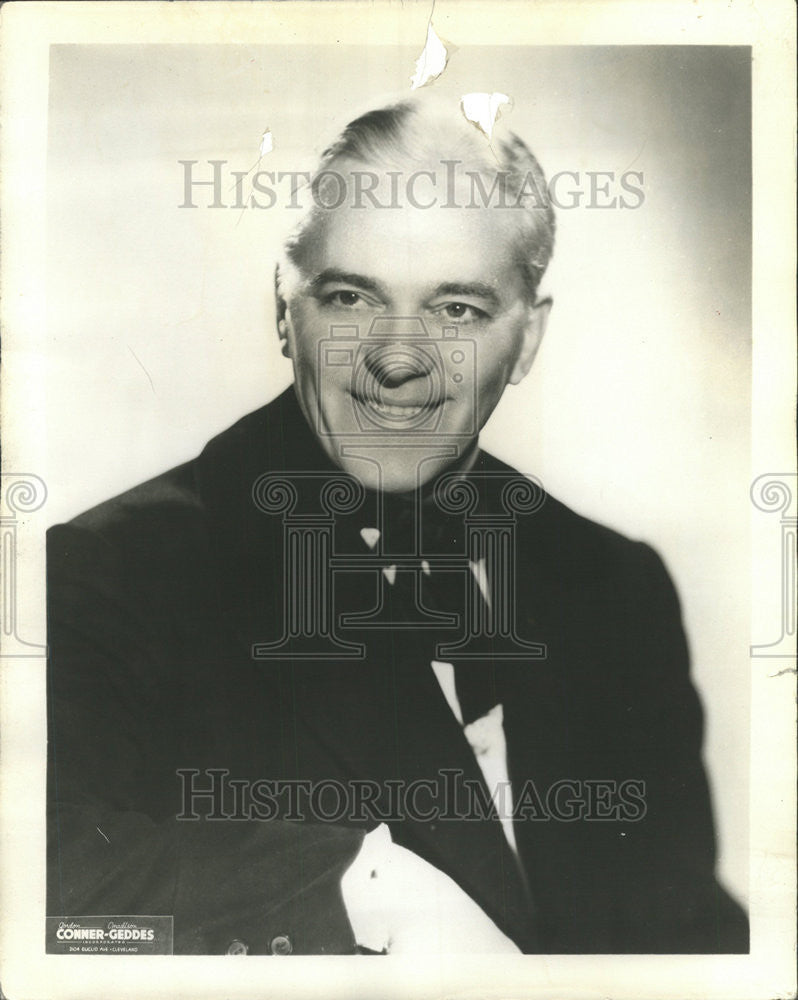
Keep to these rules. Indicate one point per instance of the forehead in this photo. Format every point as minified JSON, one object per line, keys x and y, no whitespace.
{"x":418,"y":246}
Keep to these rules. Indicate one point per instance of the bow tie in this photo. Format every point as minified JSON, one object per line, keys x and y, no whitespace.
{"x":475,"y":681}
{"x":401,"y":525}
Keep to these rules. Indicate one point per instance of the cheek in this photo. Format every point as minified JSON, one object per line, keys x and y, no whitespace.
{"x":306,"y":333}
{"x":489,"y":392}
{"x":496,"y":359}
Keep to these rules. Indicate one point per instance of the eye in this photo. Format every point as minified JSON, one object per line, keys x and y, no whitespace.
{"x":345,"y":298}
{"x":461,"y":311}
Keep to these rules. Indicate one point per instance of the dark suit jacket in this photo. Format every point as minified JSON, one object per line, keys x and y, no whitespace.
{"x":155,"y":600}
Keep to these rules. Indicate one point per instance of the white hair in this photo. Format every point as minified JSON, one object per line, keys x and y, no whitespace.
{"x":416,"y":132}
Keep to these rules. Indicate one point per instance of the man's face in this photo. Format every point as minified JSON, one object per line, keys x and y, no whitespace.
{"x":404,"y":332}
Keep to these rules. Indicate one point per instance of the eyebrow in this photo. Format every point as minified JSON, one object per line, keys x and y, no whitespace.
{"x":474,"y":289}
{"x":333,"y":274}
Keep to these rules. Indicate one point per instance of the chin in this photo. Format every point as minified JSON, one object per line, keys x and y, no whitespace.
{"x":400,"y":482}
{"x":406,"y":480}
{"x":382,"y":478}
{"x":379,"y":467}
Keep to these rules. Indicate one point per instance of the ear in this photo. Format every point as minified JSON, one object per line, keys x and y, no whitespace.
{"x":281,"y":308}
{"x":537,"y":317}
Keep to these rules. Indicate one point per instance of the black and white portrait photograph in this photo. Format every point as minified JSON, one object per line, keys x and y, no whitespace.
{"x":398,"y":500}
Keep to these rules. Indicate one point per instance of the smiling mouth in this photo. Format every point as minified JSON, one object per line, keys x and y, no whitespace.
{"x":392,"y":410}
{"x":395,"y":409}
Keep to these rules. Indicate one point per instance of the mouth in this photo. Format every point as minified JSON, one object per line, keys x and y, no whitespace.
{"x":393,"y":410}
{"x":396,"y":410}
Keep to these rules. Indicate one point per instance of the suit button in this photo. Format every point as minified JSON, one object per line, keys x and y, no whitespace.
{"x":281,"y":945}
{"x":237,"y":947}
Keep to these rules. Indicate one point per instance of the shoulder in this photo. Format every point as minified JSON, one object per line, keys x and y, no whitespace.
{"x":177,"y":509}
{"x":581,"y":550}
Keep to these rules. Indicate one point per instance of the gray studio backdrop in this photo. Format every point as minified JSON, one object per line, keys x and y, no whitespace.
{"x":160,"y":325}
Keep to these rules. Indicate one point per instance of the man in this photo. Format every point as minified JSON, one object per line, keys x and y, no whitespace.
{"x":342,"y":597}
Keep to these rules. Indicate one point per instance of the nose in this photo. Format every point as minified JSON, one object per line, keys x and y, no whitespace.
{"x":394,"y":364}
{"x":396,"y":356}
